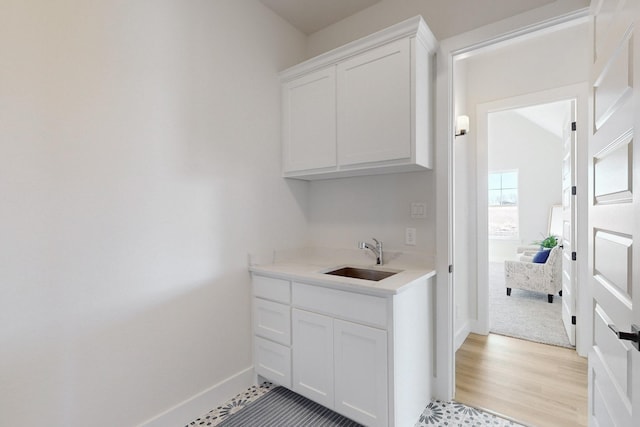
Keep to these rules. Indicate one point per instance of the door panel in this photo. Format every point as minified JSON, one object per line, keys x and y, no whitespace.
{"x":309,"y":121}
{"x":613,"y":262}
{"x":361,"y":373}
{"x":313,"y":356}
{"x":613,"y":171}
{"x":569,"y":223}
{"x":614,"y":214}
{"x":374,"y":105}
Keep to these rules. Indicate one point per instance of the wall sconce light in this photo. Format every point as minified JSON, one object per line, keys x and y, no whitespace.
{"x":462,"y":125}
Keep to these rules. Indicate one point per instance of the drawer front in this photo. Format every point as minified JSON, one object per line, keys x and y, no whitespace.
{"x":346,"y":305}
{"x":273,"y":289}
{"x":273,"y":361}
{"x":272,"y":320}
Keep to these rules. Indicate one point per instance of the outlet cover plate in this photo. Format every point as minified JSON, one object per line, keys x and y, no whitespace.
{"x":418,"y":209}
{"x":410,"y":236}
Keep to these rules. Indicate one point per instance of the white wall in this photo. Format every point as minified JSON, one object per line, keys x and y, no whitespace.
{"x":516,"y":143}
{"x":345,"y":211}
{"x":140,"y":162}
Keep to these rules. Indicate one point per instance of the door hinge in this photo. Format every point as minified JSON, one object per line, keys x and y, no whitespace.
{"x":573,"y":320}
{"x":574,"y":126}
{"x":574,"y":190}
{"x":450,"y":268}
{"x":574,"y":256}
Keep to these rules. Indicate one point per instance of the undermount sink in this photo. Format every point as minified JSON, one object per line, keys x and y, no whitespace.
{"x":362,"y":273}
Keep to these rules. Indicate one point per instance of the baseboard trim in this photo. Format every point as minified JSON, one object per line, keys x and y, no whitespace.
{"x":461,"y":334}
{"x":479,"y":327}
{"x":187,"y":411}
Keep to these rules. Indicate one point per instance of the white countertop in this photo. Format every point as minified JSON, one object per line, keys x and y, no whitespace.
{"x":309,"y":266}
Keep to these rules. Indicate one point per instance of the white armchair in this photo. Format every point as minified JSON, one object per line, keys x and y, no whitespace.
{"x":532,"y":276}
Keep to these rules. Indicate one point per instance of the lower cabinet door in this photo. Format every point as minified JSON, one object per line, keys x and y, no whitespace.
{"x":361,"y":385}
{"x":312,"y":349}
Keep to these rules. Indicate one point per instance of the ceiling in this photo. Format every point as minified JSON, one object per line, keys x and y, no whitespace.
{"x":551,"y":117}
{"x":444,"y":17}
{"x":310,"y":16}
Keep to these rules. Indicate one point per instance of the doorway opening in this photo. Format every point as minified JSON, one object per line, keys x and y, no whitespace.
{"x":525,"y":222}
{"x":503,"y":97}
{"x":523,"y":151}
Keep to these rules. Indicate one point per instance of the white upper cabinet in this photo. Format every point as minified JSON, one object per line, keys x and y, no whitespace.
{"x":363,"y":108}
{"x":374,"y":105}
{"x":309,"y":121}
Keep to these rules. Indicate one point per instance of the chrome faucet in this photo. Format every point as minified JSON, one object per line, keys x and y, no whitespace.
{"x":377,"y":249}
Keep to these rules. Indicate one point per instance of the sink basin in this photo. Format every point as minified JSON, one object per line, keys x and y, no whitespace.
{"x":362,"y":273}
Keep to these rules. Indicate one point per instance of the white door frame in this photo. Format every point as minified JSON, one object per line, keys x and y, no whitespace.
{"x":552,"y":15}
{"x":579,"y":92}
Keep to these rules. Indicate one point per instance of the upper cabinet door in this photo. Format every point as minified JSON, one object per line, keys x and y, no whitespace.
{"x":374,"y":105}
{"x":309,"y":121}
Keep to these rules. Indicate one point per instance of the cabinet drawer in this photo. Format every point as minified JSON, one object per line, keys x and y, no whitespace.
{"x":346,"y":305}
{"x":273,"y":361}
{"x":273,"y":289}
{"x":272,"y":320}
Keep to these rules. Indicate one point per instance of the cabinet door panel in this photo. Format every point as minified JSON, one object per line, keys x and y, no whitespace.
{"x":374,"y":105}
{"x":361,"y":386}
{"x":313,"y":356}
{"x":309,"y":121}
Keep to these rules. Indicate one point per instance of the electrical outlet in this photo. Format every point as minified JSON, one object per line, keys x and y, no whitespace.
{"x":419,"y":210}
{"x":410,"y":236}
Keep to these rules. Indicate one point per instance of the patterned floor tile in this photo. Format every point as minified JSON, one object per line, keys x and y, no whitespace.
{"x":219,"y":414}
{"x":454,"y":414}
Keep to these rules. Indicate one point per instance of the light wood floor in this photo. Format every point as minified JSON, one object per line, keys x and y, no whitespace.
{"x":535,"y":384}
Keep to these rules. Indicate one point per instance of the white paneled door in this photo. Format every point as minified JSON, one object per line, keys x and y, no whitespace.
{"x":309,"y":121}
{"x":569,"y":268}
{"x":374,"y":105}
{"x":614,"y":214}
{"x":312,"y":357}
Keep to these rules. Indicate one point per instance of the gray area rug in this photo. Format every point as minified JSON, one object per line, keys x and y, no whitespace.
{"x":281,"y":407}
{"x":525,"y":314}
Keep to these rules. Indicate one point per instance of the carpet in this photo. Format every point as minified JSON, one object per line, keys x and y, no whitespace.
{"x":524,"y":314}
{"x":282,"y":407}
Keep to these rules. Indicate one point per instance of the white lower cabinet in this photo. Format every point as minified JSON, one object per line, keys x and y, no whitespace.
{"x":313,"y":356}
{"x":360,"y":372}
{"x":366,"y":357}
{"x":341,"y":365}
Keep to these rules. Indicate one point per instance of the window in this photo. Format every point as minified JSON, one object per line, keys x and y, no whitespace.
{"x":503,"y":204}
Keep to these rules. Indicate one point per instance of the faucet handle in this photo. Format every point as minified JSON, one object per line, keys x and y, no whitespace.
{"x":379,"y":243}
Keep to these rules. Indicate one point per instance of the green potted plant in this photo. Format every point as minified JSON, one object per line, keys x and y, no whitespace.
{"x":548,"y":242}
